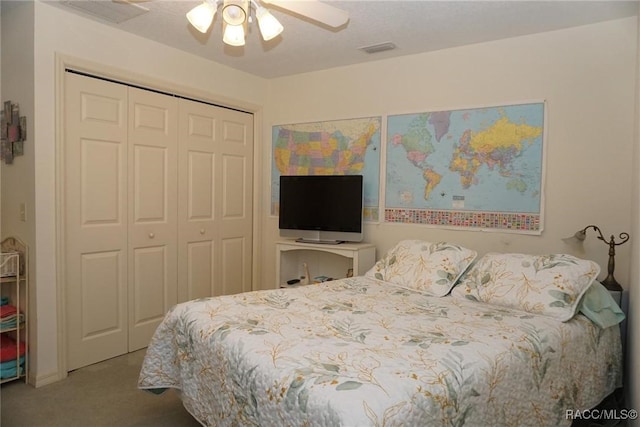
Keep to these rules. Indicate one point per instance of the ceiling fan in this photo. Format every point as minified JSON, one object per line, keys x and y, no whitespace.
{"x":236,"y":14}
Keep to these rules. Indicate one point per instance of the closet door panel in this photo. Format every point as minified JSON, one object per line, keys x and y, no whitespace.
{"x":200,"y":269}
{"x":151,"y":167}
{"x":99,"y":298}
{"x":150,"y":275}
{"x":200,"y":255}
{"x":200,"y":190}
{"x":234,"y":173}
{"x":215,"y":219}
{"x":100,"y":176}
{"x":236,"y":201}
{"x":234,"y":268}
{"x":198,"y":234}
{"x":153,"y":212}
{"x":95,"y":205}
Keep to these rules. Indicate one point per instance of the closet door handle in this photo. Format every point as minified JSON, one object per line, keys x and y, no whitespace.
{"x":202,"y":231}
{"x":151,"y":235}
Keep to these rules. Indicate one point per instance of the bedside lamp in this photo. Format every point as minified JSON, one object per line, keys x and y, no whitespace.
{"x":609,"y":282}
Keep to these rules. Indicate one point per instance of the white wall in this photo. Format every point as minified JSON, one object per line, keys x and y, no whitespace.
{"x":57,"y":31}
{"x":18,"y":184}
{"x":633,"y":324}
{"x":585,"y":74}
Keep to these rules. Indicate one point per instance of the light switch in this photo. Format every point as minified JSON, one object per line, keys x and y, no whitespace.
{"x":23,"y":212}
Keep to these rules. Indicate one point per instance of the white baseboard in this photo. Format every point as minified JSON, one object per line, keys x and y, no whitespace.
{"x":43,"y":380}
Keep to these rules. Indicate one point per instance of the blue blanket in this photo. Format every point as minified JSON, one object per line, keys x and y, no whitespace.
{"x":9,"y":369}
{"x":600,"y":307}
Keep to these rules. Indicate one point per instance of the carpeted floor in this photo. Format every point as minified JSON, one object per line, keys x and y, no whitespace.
{"x":104,"y":394}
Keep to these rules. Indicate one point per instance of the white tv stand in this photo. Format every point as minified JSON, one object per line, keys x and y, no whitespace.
{"x":322,"y":259}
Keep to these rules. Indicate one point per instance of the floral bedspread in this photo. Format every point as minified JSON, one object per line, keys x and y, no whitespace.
{"x":361,"y":352}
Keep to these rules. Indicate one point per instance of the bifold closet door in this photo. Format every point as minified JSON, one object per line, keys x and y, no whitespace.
{"x":153,"y":235}
{"x":96,"y":206}
{"x":215,"y":200}
{"x":158,"y":201}
{"x":121,"y":216}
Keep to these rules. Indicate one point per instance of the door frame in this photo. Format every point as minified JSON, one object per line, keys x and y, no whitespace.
{"x":64,"y":62}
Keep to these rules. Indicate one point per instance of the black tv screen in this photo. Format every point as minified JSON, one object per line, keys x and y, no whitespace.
{"x":321,"y":208}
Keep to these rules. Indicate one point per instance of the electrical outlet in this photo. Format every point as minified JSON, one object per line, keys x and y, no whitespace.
{"x":23,"y":212}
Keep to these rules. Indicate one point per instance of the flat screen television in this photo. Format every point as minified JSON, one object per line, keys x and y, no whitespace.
{"x":321,"y":208}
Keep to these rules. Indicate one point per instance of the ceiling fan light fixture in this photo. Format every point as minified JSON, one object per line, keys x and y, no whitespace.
{"x":236,"y":15}
{"x":235,"y":12}
{"x":233,"y":34}
{"x":270,"y":27}
{"x":201,"y":16}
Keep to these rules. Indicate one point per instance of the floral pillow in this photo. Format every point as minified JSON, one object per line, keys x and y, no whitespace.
{"x":432,"y":268}
{"x":551,"y":285}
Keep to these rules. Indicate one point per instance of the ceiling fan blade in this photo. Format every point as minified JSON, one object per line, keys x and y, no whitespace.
{"x":313,"y":9}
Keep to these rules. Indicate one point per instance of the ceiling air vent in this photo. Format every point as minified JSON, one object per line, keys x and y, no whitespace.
{"x":111,"y":11}
{"x":380,"y":47}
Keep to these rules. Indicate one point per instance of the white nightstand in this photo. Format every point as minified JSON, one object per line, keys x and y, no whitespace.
{"x":322,"y":259}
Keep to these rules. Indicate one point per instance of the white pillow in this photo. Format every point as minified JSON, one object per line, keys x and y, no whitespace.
{"x":431,"y":268}
{"x":551,"y":285}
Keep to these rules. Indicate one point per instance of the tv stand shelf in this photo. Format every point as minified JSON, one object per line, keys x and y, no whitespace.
{"x":322,"y":259}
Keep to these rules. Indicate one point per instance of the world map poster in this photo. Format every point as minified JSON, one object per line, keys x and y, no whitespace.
{"x":478,"y":168}
{"x":338,"y":147}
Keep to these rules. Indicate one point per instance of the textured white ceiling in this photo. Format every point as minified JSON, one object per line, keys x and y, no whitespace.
{"x":413,"y":26}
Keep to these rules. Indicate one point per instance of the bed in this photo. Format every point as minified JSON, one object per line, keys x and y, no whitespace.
{"x":431,"y":336}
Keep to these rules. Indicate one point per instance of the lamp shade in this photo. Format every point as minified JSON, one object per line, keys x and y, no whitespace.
{"x":270,"y":27}
{"x":233,"y":35}
{"x":201,"y":16}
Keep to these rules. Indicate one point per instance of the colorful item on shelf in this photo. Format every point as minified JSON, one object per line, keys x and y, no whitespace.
{"x":9,"y":317}
{"x":13,"y":326}
{"x":9,"y":349}
{"x":10,"y":369}
{"x":12,"y":356}
{"x":7,"y":310}
{"x":10,"y":322}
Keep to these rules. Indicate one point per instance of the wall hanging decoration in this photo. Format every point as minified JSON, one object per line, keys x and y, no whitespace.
{"x":338,"y":147}
{"x":478,"y":168}
{"x":13,"y":132}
